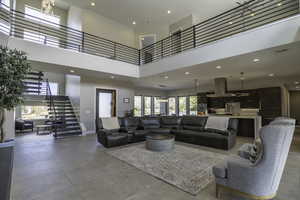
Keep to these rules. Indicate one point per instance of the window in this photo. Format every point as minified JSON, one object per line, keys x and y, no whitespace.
{"x":40,"y":38}
{"x":147,"y":105}
{"x":193,"y":105}
{"x":138,"y":106}
{"x":34,"y":112}
{"x":38,"y":16}
{"x":4,"y":25}
{"x":172,"y":106}
{"x":5,"y":4}
{"x":182,"y":106}
{"x":157,"y":106}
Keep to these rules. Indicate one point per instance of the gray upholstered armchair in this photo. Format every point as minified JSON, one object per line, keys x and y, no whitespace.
{"x":258,"y":180}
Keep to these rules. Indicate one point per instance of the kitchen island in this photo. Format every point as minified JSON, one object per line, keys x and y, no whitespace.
{"x":249,"y":125}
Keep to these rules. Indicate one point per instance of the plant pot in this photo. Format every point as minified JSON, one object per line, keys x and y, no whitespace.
{"x":6,"y":166}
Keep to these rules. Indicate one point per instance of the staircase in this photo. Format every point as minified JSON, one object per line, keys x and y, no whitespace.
{"x":33,"y":84}
{"x":62,"y":116}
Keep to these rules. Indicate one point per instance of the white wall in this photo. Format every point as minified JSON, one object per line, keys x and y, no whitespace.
{"x":75,"y":18}
{"x":99,"y":25}
{"x":264,"y":37}
{"x":63,"y":57}
{"x":73,"y":91}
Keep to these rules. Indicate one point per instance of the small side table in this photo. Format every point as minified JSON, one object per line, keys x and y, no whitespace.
{"x":46,"y":129}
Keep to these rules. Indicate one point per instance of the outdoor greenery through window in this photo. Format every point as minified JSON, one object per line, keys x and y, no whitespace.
{"x":172,"y":106}
{"x":138,"y":106}
{"x":147,"y":105}
{"x":34,"y":112}
{"x":157,"y":106}
{"x":182,"y":106}
{"x":193,"y":105}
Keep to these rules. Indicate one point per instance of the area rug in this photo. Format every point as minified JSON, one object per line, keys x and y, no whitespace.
{"x":187,"y":168}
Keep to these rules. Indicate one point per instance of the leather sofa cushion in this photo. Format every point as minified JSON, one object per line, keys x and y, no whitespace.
{"x":141,"y":132}
{"x":194,"y":121}
{"x":131,"y":123}
{"x":193,"y":128}
{"x":150,"y":123}
{"x":166,"y":121}
{"x":210,"y":130}
{"x":159,"y":130}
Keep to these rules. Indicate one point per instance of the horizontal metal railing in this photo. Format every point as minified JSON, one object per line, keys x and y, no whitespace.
{"x":249,"y":15}
{"x":20,"y":25}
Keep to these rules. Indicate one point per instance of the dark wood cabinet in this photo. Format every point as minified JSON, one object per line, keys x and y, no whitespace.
{"x":270,"y":104}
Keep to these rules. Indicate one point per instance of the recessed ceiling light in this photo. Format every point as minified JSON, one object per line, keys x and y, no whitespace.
{"x":187,"y":73}
{"x":297,"y":87}
{"x":218,"y":67}
{"x":242,"y":78}
{"x":256,"y":60}
{"x":296,"y":82}
{"x":72,"y":71}
{"x":252,"y":14}
{"x":166,"y":77}
{"x":112,"y":77}
{"x":271,"y":75}
{"x":169,"y":11}
{"x":279,"y":4}
{"x":134,"y":23}
{"x":93,"y":3}
{"x":230,"y":22}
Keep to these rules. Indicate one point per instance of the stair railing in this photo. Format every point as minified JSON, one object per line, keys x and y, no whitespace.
{"x":50,"y":98}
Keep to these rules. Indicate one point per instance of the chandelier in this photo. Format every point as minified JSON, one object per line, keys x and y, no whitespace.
{"x":47,"y":6}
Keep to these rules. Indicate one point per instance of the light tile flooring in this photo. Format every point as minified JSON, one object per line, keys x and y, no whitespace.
{"x":78,"y":168}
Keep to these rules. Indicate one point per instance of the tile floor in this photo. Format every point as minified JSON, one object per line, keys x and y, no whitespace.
{"x":78,"y":168}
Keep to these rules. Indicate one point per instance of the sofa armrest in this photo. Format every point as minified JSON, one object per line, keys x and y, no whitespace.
{"x":108,"y":132}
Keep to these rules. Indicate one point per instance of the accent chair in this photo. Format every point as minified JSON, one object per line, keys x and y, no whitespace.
{"x":259,"y":179}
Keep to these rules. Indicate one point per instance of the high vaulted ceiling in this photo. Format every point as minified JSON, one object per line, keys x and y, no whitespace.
{"x":153,"y":13}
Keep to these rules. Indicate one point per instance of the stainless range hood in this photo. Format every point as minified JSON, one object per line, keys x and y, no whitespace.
{"x":221,"y":89}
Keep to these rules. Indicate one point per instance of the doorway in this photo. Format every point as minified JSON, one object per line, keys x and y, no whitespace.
{"x":105,"y":103}
{"x":145,"y":41}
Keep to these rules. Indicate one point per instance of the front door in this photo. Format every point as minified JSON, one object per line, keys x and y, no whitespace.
{"x":105,"y":103}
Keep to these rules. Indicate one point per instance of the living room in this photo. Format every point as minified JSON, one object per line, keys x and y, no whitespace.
{"x":173,"y":100}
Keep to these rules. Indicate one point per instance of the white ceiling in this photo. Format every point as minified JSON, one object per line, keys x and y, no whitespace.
{"x":285,"y":66}
{"x":152,"y":14}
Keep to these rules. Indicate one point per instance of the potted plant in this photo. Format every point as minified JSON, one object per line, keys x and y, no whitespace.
{"x":13,"y":69}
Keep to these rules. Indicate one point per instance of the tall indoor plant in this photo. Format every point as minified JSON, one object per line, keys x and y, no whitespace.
{"x":13,"y":69}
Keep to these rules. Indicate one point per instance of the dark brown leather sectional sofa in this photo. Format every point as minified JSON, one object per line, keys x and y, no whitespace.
{"x":186,"y":129}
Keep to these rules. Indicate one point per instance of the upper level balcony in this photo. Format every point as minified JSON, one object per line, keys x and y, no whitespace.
{"x":245,"y":17}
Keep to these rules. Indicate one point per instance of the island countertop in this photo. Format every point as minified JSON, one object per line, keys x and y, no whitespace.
{"x":257,"y":120}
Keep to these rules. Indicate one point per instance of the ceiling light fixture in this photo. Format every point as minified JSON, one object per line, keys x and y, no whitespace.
{"x":218,"y":67}
{"x":256,"y":60}
{"x":112,"y":77}
{"x":134,"y":23}
{"x":230,"y":22}
{"x":187,"y":73}
{"x":166,"y":77}
{"x":72,"y":71}
{"x":271,"y":75}
{"x":252,"y":14}
{"x":297,"y":87}
{"x":93,"y":3}
{"x":279,"y":4}
{"x":169,"y":11}
{"x":296,"y":82}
